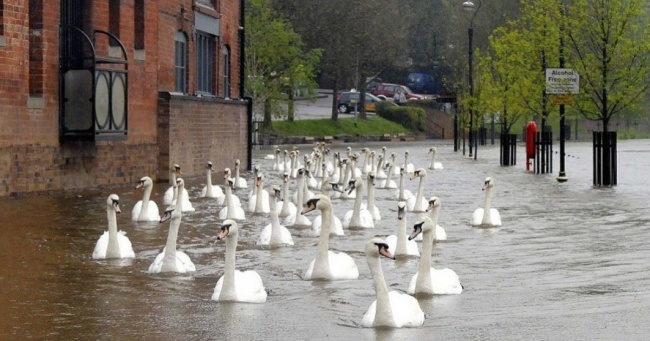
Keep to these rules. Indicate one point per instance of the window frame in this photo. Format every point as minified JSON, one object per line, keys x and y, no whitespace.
{"x":180,"y":62}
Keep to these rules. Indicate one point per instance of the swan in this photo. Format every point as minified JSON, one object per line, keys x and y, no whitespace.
{"x":185,"y":205}
{"x":428,"y":280}
{"x":271,"y":156}
{"x":298,"y":219}
{"x":113,"y":244}
{"x":301,"y":181}
{"x":440,"y":233}
{"x":358,"y":217}
{"x":210,"y":190}
{"x":288,"y":208}
{"x":328,"y":265}
{"x":227,"y":174}
{"x":239,"y":181}
{"x":145,"y":209}
{"x":259,"y":202}
{"x":388,"y":183}
{"x":235,"y":285}
{"x":274,"y":233}
{"x":434,"y":164}
{"x":417,"y":203}
{"x":170,"y":259}
{"x":402,"y":194}
{"x":408,"y":167}
{"x":396,"y":170}
{"x":399,"y":242}
{"x":381,"y":174}
{"x":169,"y":193}
{"x":479,"y":217}
{"x":278,"y":166}
{"x":367,"y":162}
{"x":390,"y":309}
{"x":256,"y":170}
{"x":370,"y":206}
{"x":231,"y":211}
{"x":336,"y":229}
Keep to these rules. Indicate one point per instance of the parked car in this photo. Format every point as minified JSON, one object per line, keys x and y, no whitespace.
{"x":422,"y":83}
{"x":345,"y":101}
{"x":387,"y":91}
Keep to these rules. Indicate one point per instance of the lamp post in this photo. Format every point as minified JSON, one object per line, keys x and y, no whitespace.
{"x":470,"y":7}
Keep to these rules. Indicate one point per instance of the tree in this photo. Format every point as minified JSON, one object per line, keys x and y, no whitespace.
{"x":610,"y":50}
{"x":276,"y":61}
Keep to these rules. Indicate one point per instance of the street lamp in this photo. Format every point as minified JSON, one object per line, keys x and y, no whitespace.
{"x":470,"y":7}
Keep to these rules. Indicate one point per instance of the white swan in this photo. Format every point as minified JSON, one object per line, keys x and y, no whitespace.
{"x":358,"y":217}
{"x":172,"y":260}
{"x":287,"y":208}
{"x":434,"y":164}
{"x":479,"y":217}
{"x":370,"y":206}
{"x":231,"y":211}
{"x":274,"y":233}
{"x":235,"y":285}
{"x":402,"y":194}
{"x":278,"y":166}
{"x":145,"y":209}
{"x":210,"y":190}
{"x":259,"y":202}
{"x":227,"y":174}
{"x":169,"y":193}
{"x":417,"y":203}
{"x":184,"y":205}
{"x":367,"y":162}
{"x":328,"y":265}
{"x":408,"y":167}
{"x":240,"y":182}
{"x":336,"y":229}
{"x":390,"y":309}
{"x":399,"y":242}
{"x":440,"y":233}
{"x":381,"y":174}
{"x":428,"y":280}
{"x":388,"y":182}
{"x":113,"y":244}
{"x":299,"y":219}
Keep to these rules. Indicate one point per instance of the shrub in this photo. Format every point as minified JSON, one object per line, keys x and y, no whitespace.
{"x":410,"y":117}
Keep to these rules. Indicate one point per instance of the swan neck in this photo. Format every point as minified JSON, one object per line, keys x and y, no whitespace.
{"x":169,"y":259}
{"x":208,"y":185}
{"x":231,"y":203}
{"x":371,"y":196}
{"x":228,"y":286}
{"x":144,"y":209}
{"x":418,"y":198}
{"x":487,"y":206}
{"x":113,"y":249}
{"x":321,"y":262}
{"x":355,"y":220}
{"x":383,"y":314}
{"x":400,"y":247}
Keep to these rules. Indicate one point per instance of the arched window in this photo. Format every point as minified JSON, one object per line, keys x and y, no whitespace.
{"x":180,"y":62}
{"x":226,"y":71}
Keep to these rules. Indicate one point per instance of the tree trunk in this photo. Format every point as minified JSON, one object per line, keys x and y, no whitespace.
{"x":267,"y":113}
{"x":290,"y":107}
{"x":335,"y":112}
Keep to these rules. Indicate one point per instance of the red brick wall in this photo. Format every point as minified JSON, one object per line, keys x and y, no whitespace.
{"x":32,"y":159}
{"x":216,"y":130}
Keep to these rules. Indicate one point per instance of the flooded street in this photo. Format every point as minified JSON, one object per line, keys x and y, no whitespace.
{"x":569,"y":263}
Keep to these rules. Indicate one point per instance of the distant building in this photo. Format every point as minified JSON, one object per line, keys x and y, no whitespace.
{"x":103,"y":92}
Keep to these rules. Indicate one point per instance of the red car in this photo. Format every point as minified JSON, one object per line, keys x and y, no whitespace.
{"x":387,"y":91}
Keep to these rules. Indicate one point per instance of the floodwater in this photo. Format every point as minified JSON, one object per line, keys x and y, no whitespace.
{"x":569,"y":263}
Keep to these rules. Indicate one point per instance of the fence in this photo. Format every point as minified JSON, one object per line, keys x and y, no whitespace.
{"x":605,"y":172}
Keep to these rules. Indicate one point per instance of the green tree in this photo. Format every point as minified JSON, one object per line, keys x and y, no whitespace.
{"x":276,"y":61}
{"x":610,"y":50}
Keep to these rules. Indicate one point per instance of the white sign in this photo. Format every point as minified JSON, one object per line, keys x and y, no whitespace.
{"x":562,"y":81}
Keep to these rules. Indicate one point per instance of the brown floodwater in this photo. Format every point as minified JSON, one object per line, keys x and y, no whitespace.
{"x":569,"y":263}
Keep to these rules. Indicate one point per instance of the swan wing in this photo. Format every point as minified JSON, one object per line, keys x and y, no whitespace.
{"x":406,"y":310}
{"x":101,"y":246}
{"x":184,"y":263}
{"x":496,"y":217}
{"x":477,"y":217}
{"x":249,"y":287}
{"x":126,"y":249}
{"x":445,"y":282}
{"x":342,"y":266}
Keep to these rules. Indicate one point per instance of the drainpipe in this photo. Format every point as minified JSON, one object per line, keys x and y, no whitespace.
{"x":249,"y":114}
{"x":242,"y":48}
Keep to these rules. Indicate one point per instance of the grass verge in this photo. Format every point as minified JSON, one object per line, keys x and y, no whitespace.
{"x":373,"y":126}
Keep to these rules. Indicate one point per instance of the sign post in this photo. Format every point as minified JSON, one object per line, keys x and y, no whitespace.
{"x":561,"y":84}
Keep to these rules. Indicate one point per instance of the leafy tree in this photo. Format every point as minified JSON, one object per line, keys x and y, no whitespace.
{"x":276,"y":61}
{"x":610,"y":50}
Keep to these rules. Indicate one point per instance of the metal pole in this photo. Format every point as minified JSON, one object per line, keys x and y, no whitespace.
{"x":455,"y":132}
{"x":562,"y":176}
{"x":470,"y":34}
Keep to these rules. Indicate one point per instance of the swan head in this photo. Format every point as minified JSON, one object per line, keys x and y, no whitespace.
{"x":259,"y":181}
{"x":320,"y":202}
{"x":401,"y":171}
{"x":180,"y":183}
{"x":229,"y":228}
{"x":237,"y":162}
{"x":145,"y":181}
{"x":276,"y":192}
{"x":231,"y":183}
{"x":170,"y":212}
{"x":176,"y":168}
{"x":336,"y":188}
{"x":406,"y":153}
{"x":371,"y":178}
{"x":226,"y":173}
{"x":425,"y":225}
{"x":376,"y":247}
{"x":383,"y":149}
{"x":113,"y":202}
{"x":401,"y":210}
{"x":354,"y":183}
{"x":433,"y":150}
{"x":285,"y":177}
{"x":209,"y":166}
{"x":419,"y":173}
{"x":489,"y":183}
{"x":433,"y":203}
{"x":387,"y":165}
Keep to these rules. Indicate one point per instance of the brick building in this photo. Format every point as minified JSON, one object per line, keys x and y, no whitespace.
{"x":103,"y":92}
